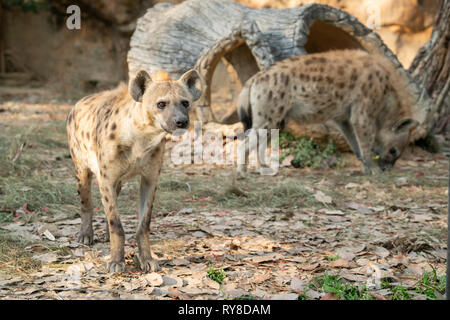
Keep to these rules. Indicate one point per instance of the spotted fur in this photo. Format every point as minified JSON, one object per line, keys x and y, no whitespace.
{"x":361,"y":93}
{"x":118,"y":134}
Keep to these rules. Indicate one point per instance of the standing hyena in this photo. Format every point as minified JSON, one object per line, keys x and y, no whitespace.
{"x":116,"y":135}
{"x":361,"y":93}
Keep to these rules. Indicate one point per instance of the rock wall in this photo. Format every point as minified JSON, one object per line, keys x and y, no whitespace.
{"x":72,"y":61}
{"x":39,"y":46}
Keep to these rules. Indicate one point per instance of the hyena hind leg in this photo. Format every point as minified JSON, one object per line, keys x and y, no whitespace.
{"x":347,"y":130}
{"x":84,"y":177}
{"x":249,"y":145}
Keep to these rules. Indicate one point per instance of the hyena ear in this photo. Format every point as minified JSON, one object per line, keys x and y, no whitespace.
{"x":405,"y":125}
{"x":139,"y":84}
{"x":194,"y":82}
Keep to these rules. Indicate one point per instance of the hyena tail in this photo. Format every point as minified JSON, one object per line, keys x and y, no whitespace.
{"x":244,"y":108}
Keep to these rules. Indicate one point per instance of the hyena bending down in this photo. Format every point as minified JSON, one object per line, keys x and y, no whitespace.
{"x":361,"y":93}
{"x":116,"y":135}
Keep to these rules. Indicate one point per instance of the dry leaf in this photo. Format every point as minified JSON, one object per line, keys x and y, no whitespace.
{"x":382,"y":252}
{"x":321,"y":197}
{"x":46,"y":257}
{"x":180,"y":262}
{"x":298,"y":284}
{"x":285,"y":296}
{"x":265,"y":258}
{"x":333,"y":212}
{"x":153,"y":279}
{"x":346,"y":253}
{"x":49,"y":235}
{"x":172,"y":282}
{"x":261,"y":278}
{"x":340,"y":263}
{"x":351,"y":185}
{"x":210,"y":283}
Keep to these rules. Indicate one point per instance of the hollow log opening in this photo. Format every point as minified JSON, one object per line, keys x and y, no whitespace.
{"x":235,"y":68}
{"x":243,"y":62}
{"x":325,"y":37}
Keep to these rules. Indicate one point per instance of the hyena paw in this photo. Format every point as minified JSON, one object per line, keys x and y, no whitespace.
{"x":367,"y":170}
{"x":148,"y":264}
{"x":241,"y":174}
{"x":377,"y":170}
{"x":372,"y":168}
{"x":242,"y":168}
{"x":86,"y":237}
{"x":116,"y":267}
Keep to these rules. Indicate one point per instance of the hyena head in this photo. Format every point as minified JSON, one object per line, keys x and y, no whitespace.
{"x":167,"y":102}
{"x":392,"y":140}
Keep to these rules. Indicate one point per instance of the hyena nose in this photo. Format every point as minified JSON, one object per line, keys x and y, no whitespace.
{"x":182,"y":123}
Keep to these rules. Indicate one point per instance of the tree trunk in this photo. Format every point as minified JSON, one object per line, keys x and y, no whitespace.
{"x":2,"y":46}
{"x":431,"y":69}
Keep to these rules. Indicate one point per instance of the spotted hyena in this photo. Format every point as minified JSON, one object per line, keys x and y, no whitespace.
{"x":118,"y":134}
{"x":361,"y":93}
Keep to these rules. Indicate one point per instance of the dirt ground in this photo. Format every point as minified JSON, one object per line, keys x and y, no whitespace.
{"x":302,"y":234}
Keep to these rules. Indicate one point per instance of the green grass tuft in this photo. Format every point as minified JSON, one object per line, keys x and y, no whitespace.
{"x":247,"y":297}
{"x":431,"y":285}
{"x":343,"y":291}
{"x":332,"y":258}
{"x":216,"y":275}
{"x":307,"y":153}
{"x":400,"y":293}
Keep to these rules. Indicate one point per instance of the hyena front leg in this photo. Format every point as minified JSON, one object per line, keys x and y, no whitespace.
{"x":118,"y":189}
{"x":149,"y":182}
{"x":147,"y":197}
{"x":116,"y":232}
{"x":84,"y":177}
{"x":364,"y":129}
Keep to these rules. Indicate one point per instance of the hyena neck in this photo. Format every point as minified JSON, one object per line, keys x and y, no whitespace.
{"x":140,"y":124}
{"x":393,"y":109}
{"x":144,"y":120}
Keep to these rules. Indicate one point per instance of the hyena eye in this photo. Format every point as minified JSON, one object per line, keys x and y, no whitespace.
{"x":185,"y":103}
{"x":393,"y":152}
{"x":161,"y":105}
